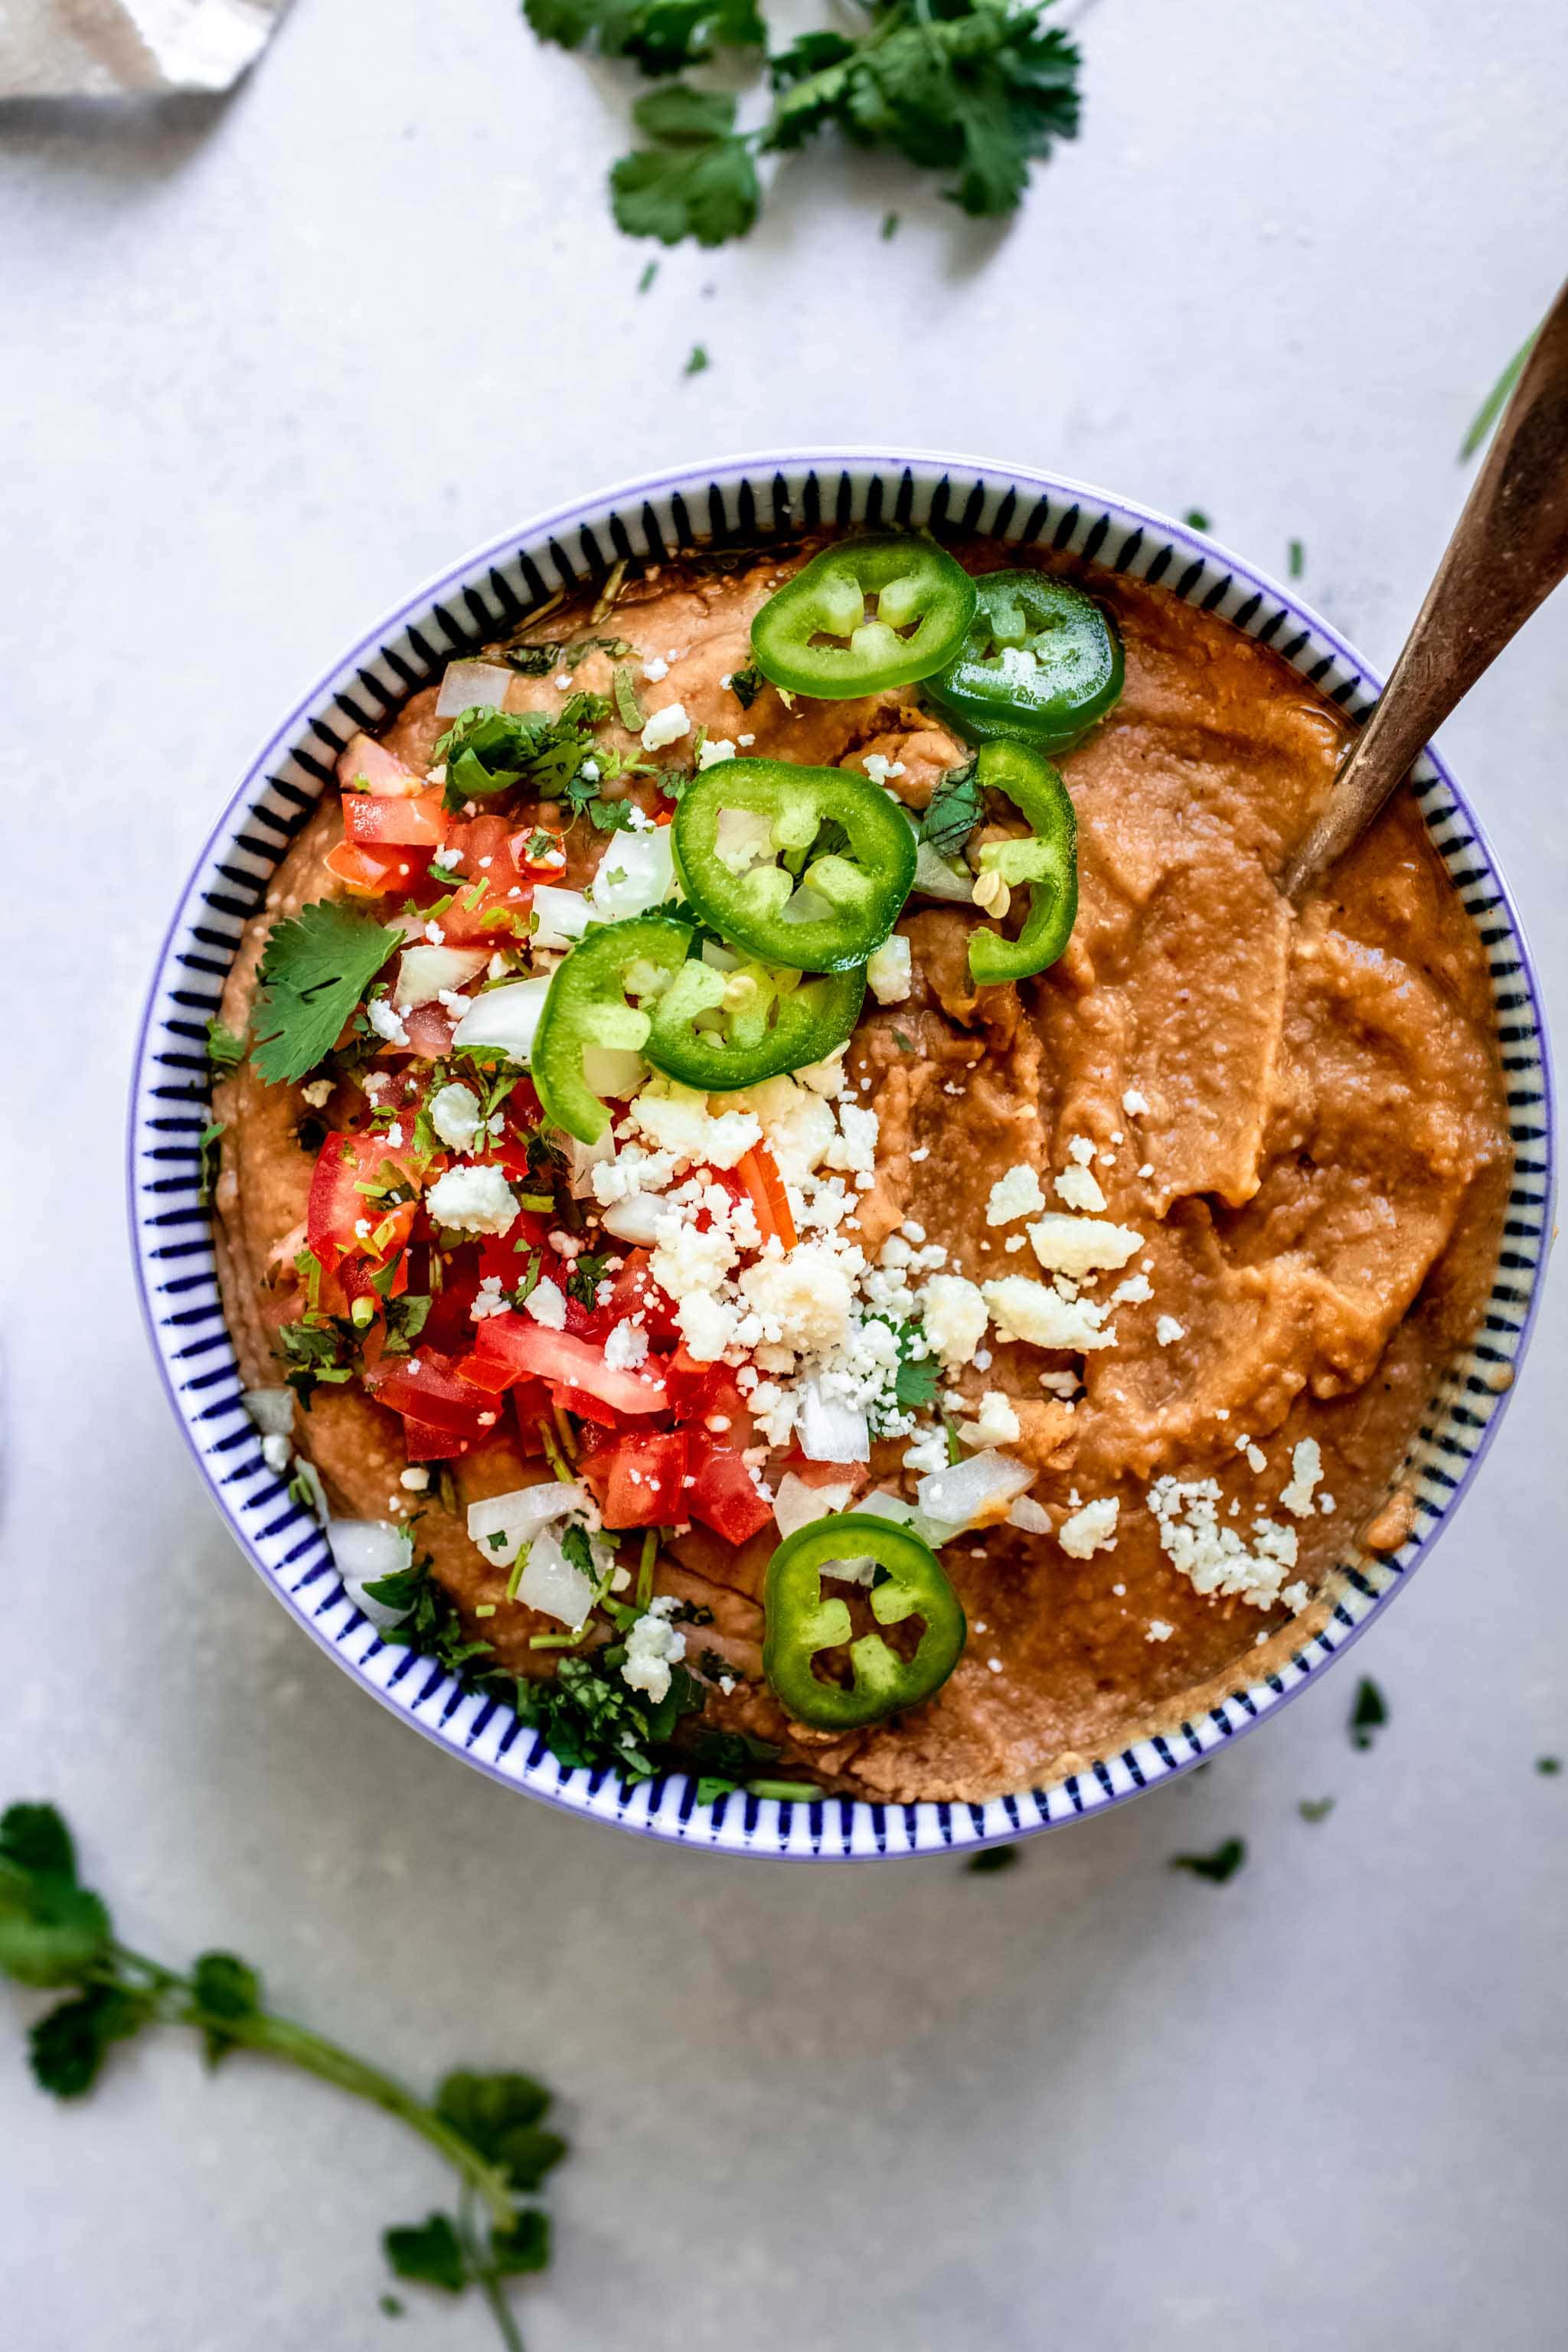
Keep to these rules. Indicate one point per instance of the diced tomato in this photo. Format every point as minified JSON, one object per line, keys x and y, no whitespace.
{"x":530,"y":1350}
{"x":429,"y":1028}
{"x":537,"y":853}
{"x":367,"y":764}
{"x":423,"y":1443}
{"x":585,"y":1405}
{"x":765,"y":1187}
{"x":825,"y":1473}
{"x":369,"y":873}
{"x":425,"y":1389}
{"x":634,"y":1292}
{"x":639,"y":1480}
{"x":375,"y":822}
{"x":723,"y":1494}
{"x":336,"y":1207}
{"x":493,"y":899}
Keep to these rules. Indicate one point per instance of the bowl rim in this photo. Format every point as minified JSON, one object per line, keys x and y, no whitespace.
{"x":833,"y":1828}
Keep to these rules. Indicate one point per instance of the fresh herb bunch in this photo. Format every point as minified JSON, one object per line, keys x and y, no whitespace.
{"x":976,"y":90}
{"x":57,"y":1934}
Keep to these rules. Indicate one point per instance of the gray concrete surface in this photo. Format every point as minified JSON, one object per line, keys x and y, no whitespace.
{"x":268,"y":362}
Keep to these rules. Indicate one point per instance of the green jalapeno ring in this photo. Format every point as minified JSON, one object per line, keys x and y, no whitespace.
{"x":1040,"y":661}
{"x":799,"y":1622}
{"x":814,"y":636}
{"x":586,"y":1006}
{"x":741,"y":894}
{"x":760,"y":1034}
{"x":1046,"y":865}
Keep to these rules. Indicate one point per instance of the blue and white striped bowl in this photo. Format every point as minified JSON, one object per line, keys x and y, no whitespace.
{"x":743,"y":499}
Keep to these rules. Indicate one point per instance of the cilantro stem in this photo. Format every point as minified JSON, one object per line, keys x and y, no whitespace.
{"x":261,"y":2030}
{"x":486,"y":2277}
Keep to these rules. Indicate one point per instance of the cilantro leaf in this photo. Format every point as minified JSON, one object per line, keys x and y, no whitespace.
{"x":225,"y":1050}
{"x":489,"y":752}
{"x":315,"y":967}
{"x":535,"y":661}
{"x":701,"y":181}
{"x":524,"y":2247}
{"x":500,"y":2115}
{"x":207,"y":1161}
{"x":52,"y":1930}
{"x":628,"y":709}
{"x":662,"y":36}
{"x":745,"y":685}
{"x":1222,"y":1863}
{"x":223,"y":1988}
{"x":1369,"y":1714}
{"x":583,"y":1283}
{"x":591,"y":1717}
{"x":954,"y":811}
{"x":916,"y":1384}
{"x":429,"y":2251}
{"x":67,"y":2048}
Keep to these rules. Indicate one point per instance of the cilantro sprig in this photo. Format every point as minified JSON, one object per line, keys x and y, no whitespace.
{"x":57,"y":1934}
{"x":317,"y":966}
{"x":976,"y":89}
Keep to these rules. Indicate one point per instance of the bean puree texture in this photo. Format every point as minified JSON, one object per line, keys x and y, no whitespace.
{"x":1298,"y":1116}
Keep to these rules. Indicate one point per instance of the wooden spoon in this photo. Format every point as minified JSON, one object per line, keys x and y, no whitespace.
{"x":1509,"y":551}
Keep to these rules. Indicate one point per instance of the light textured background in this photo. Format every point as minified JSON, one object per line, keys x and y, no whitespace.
{"x":266,"y":365}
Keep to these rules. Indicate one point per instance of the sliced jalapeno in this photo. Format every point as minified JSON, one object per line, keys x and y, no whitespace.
{"x":718,"y":1030}
{"x":806,"y":867}
{"x":1040,"y":661}
{"x":586,"y":1014}
{"x":801,"y":1623}
{"x":869,"y":613}
{"x":1046,"y":865}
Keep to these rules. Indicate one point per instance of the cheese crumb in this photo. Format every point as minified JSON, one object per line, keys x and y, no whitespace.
{"x":665,"y":726}
{"x":714,"y":751}
{"x":1092,"y":1529}
{"x":653,"y":1646}
{"x":455,"y":1116}
{"x":1306,"y":1472}
{"x":1168,"y":1331}
{"x":879,"y":767}
{"x":546,"y":1302}
{"x":996,"y":1424}
{"x":1133,"y":1103}
{"x":386,"y":1020}
{"x":473,"y":1200}
{"x":1077,"y":1246}
{"x":1015,"y":1194}
{"x":677,"y":1120}
{"x":1296,"y":1596}
{"x":889,"y":971}
{"x":1159,"y":1630}
{"x":1079,"y":1189}
{"x":1026,"y":1309}
{"x":953,"y":1313}
{"x":1215,"y":1559}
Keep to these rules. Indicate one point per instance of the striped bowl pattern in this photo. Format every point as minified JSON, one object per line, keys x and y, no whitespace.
{"x":737,"y":502}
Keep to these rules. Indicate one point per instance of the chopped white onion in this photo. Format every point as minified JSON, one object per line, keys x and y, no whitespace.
{"x":516,"y":1518}
{"x":582,"y":1158}
{"x":860,"y":1568}
{"x":635,"y":872}
{"x":719,"y":958}
{"x":613,"y":1070}
{"x":563,"y":915}
{"x":471,"y":685}
{"x":805,"y":906}
{"x":272,"y":1410}
{"x":1032,"y":1517}
{"x":880,"y":1504}
{"x":552,"y":1585}
{"x":796,"y":1505}
{"x":829,"y":1430}
{"x":976,"y":1489}
{"x":936,"y":878}
{"x":742,"y":838}
{"x":635,"y":1219}
{"x":505,"y":1018}
{"x":305,"y":1469}
{"x":423,"y":971}
{"x":364,"y":1550}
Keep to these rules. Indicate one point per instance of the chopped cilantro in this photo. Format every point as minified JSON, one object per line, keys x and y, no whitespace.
{"x":662,"y":35}
{"x":1315,"y":1808}
{"x":1298,"y":559}
{"x":434,"y":1624}
{"x":489,"y":752}
{"x":992,"y":1858}
{"x":589,"y":1716}
{"x":628,"y":709}
{"x":315,"y":967}
{"x":317,"y":1352}
{"x":1548,"y":1766}
{"x":1496,"y":400}
{"x":1369,"y":1714}
{"x":1222,"y":1863}
{"x":745,"y":685}
{"x":406,"y":1319}
{"x":535,"y":661}
{"x":955,"y":808}
{"x":582,"y":1282}
{"x":710,"y":1788}
{"x":905,"y":1045}
{"x":207,"y":1161}
{"x":225,"y":1050}
{"x":1195,"y":519}
{"x":697,"y":360}
{"x":889,"y":231}
{"x":390,"y":2306}
{"x":646,"y":280}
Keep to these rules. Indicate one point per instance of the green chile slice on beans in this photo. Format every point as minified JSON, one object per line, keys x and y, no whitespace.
{"x":754,"y":1023}
{"x":587,"y":1012}
{"x":846,"y":861}
{"x":1040,"y":661}
{"x":864,"y":615}
{"x":1046,"y":864}
{"x":801,"y":1623}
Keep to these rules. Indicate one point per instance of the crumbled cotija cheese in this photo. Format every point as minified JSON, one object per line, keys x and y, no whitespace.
{"x":996,"y":1424}
{"x":473,"y":1200}
{"x":1015,"y":1194}
{"x":953,"y":1312}
{"x":665,"y":726}
{"x":653,"y":1646}
{"x":1078,"y":1188}
{"x":1133,"y":1103}
{"x":1026,"y":1309}
{"x":546,"y":1302}
{"x":1168,"y":1331}
{"x":455,"y":1116}
{"x":1159,"y":1630}
{"x":890,"y":971}
{"x":1092,"y":1529}
{"x":677,"y":1120}
{"x":1077,"y":1246}
{"x":1213,"y":1557}
{"x":1306,"y":1472}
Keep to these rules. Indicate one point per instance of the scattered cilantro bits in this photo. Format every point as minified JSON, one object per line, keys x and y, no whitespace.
{"x":490,"y":2128}
{"x":315,"y":967}
{"x":1297,"y":558}
{"x":1369,"y":1715}
{"x":974,"y":89}
{"x":698,"y":360}
{"x":1496,"y":400}
{"x":225,"y":1050}
{"x":1224,"y":1862}
{"x":1196,"y":519}
{"x":1548,"y":1766}
{"x":1315,"y":1808}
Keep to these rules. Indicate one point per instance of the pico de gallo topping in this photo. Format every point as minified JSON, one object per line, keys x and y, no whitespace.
{"x":570,"y":1041}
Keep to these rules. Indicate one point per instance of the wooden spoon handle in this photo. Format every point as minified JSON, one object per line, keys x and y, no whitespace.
{"x":1509,"y":551}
